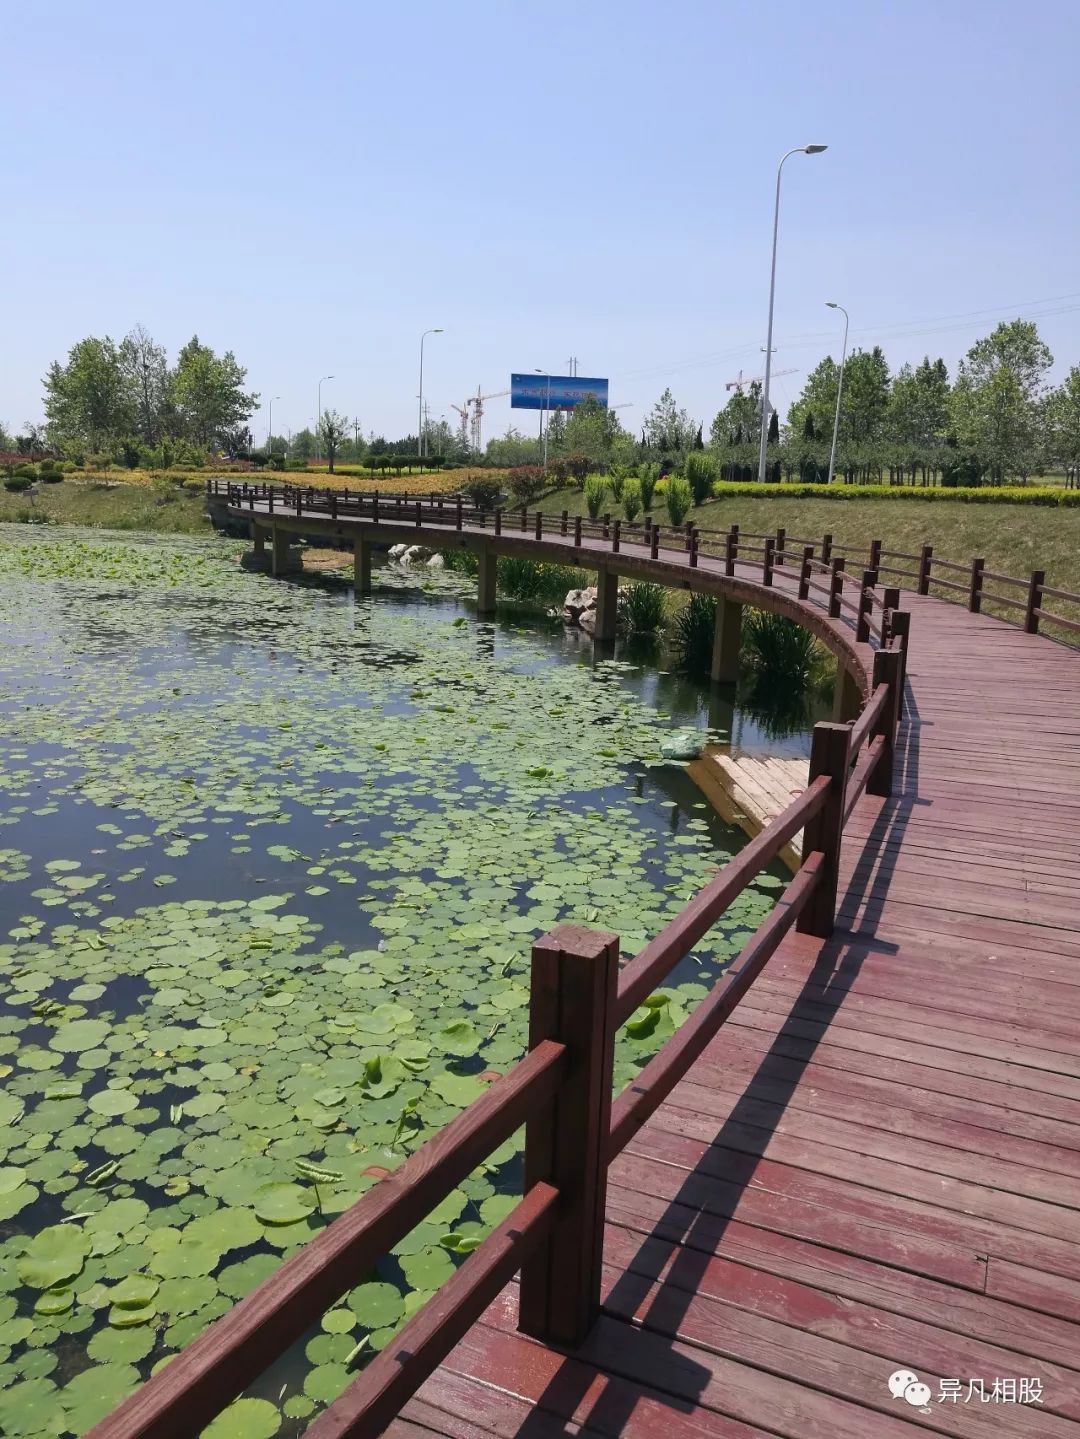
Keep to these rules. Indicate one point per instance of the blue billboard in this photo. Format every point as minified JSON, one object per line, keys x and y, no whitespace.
{"x":554,"y":392}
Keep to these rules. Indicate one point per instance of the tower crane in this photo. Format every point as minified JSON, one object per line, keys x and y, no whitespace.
{"x":740,"y":379}
{"x":463,"y":427}
{"x":477,"y":402}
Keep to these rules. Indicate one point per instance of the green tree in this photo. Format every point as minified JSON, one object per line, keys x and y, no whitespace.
{"x":88,"y":401}
{"x":667,"y":428}
{"x":303,"y":445}
{"x":918,"y":415}
{"x":594,"y":431}
{"x":997,"y":402}
{"x":148,"y":381}
{"x":332,"y":430}
{"x":1063,"y":424}
{"x":210,"y":394}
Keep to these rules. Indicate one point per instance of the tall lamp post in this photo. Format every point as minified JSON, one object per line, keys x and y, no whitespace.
{"x":839,"y":389}
{"x":420,"y":418}
{"x":318,"y":418}
{"x":270,"y":426}
{"x":763,"y":454}
{"x":544,"y":412}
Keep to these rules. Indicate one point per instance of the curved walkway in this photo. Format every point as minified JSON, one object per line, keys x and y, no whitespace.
{"x":876,"y":1165}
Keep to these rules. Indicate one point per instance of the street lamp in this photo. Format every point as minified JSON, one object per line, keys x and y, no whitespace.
{"x":270,"y":430}
{"x":543,"y":412}
{"x":762,"y":455}
{"x":839,"y":389}
{"x":420,"y":418}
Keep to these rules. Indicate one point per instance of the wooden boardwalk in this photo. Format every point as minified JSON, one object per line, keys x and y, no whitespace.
{"x":876,"y":1165}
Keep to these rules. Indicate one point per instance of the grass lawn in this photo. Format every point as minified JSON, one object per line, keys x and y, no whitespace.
{"x":109,"y":506}
{"x":1012,"y":539}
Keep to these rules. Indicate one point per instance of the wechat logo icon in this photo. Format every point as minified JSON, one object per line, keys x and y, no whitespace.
{"x":903,"y":1384}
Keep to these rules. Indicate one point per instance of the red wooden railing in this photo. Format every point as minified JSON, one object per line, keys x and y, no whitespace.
{"x":562,"y":1092}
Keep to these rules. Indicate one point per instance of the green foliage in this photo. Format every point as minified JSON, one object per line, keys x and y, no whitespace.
{"x":542,"y":583}
{"x":692,"y":635}
{"x":17,"y":482}
{"x":645,"y":606}
{"x":595,"y":492}
{"x":525,"y":483}
{"x":679,"y":498}
{"x":777,"y":647}
{"x":648,"y":474}
{"x":701,"y":472}
{"x":484,"y":492}
{"x":631,"y":499}
{"x":616,"y":480}
{"x":980,"y":495}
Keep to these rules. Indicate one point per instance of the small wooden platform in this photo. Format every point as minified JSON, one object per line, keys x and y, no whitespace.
{"x":749,"y":791}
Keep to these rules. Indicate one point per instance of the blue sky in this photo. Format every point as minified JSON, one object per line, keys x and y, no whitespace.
{"x":313,"y":185}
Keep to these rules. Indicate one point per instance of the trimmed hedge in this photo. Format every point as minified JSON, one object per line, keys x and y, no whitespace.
{"x":972,"y":495}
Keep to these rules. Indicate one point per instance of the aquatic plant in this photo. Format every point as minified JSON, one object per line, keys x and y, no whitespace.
{"x":692,"y":635}
{"x":645,"y":607}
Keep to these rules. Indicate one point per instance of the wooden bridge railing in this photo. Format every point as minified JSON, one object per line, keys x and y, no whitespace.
{"x":562,"y":1092}
{"x":971,"y":583}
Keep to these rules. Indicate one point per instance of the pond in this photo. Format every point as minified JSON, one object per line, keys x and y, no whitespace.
{"x":271,"y":862}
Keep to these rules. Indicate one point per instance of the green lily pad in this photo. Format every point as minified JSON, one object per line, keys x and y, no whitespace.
{"x":54,"y":1256}
{"x":280,"y":1202}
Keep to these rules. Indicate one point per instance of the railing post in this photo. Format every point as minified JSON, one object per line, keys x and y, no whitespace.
{"x":767,"y":562}
{"x":498,"y":520}
{"x":577,"y":529}
{"x":890,"y":602}
{"x":1034,"y":601}
{"x":866,"y":606}
{"x":826,"y":549}
{"x":524,"y":518}
{"x":731,"y":550}
{"x":270,"y":503}
{"x":925,"y":562}
{"x":563,"y":521}
{"x":781,"y":538}
{"x":654,"y":542}
{"x":804,"y":572}
{"x":689,"y":535}
{"x":828,"y":756}
{"x":572,"y":1001}
{"x":458,"y":515}
{"x":418,"y":515}
{"x":875,"y":556}
{"x":694,"y":548}
{"x":900,"y":631}
{"x":375,"y":508}
{"x":836,"y":587}
{"x":975,"y":587}
{"x":299,"y":502}
{"x":887,"y":668}
{"x":615,"y":535}
{"x":539,"y":526}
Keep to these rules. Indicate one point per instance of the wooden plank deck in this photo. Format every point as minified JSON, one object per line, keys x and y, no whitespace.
{"x":876,"y":1165}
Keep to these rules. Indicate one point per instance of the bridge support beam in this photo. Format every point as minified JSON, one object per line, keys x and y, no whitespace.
{"x":847,"y":700}
{"x":607,"y":603}
{"x":258,"y":536}
{"x":485,"y":589}
{"x":727,"y":638}
{"x":279,"y":563}
{"x":362,"y":566}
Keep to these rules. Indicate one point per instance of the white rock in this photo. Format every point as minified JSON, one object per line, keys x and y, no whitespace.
{"x":436,"y":563}
{"x":396,"y":551}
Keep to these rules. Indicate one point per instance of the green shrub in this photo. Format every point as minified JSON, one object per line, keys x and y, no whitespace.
{"x":692,"y":634}
{"x":679,"y":498}
{"x":51,"y":476}
{"x":647,"y":477}
{"x":46,"y":466}
{"x":484,"y":493}
{"x":646,"y":605}
{"x":631,"y":499}
{"x":616,"y":482}
{"x":531,"y":580}
{"x":462,"y":562}
{"x":526,"y":483}
{"x":981,"y":495}
{"x":595,"y":492}
{"x":25,"y":471}
{"x":774,"y":646}
{"x":69,"y":467}
{"x":17,"y":482}
{"x":701,"y":474}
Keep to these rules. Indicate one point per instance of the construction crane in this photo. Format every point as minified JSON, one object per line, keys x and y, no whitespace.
{"x":740,"y":380}
{"x":477,"y":403}
{"x":463,"y":427}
